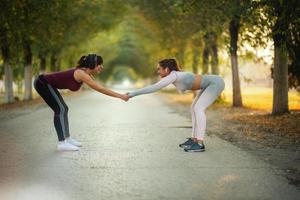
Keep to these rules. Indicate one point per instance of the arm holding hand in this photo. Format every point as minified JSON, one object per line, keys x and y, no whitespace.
{"x":153,"y":88}
{"x":81,"y":75}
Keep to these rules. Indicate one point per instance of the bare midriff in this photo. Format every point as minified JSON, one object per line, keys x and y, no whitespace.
{"x":197,"y":82}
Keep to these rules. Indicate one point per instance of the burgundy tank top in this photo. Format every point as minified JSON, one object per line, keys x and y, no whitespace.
{"x":63,"y":80}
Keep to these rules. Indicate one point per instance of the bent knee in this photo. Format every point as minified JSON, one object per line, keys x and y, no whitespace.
{"x":199,"y":108}
{"x":66,"y":108}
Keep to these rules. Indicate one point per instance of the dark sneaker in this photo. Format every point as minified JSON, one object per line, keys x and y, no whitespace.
{"x":196,"y":147}
{"x":187,"y":143}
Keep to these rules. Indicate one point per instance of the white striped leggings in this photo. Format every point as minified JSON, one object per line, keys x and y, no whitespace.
{"x":55,"y":101}
{"x":211,"y":88}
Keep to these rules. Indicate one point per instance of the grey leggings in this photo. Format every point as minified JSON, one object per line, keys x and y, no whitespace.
{"x":211,"y":88}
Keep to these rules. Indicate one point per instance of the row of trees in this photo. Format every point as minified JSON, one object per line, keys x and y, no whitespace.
{"x":34,"y":29}
{"x":149,"y":29}
{"x":204,"y":22}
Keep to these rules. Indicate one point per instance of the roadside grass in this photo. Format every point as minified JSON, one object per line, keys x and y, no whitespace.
{"x":262,"y":98}
{"x":253,"y":98}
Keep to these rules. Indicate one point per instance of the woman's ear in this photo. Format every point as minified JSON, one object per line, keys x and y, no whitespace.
{"x":167,"y":70}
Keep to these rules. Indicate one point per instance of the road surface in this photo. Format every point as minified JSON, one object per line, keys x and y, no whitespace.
{"x":130,"y":151}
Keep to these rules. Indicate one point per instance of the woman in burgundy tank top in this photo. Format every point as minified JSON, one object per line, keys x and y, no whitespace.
{"x":47,"y":86}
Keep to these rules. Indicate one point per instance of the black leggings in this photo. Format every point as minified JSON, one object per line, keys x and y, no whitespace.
{"x":53,"y":98}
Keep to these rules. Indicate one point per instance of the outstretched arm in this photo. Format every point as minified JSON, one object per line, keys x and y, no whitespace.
{"x":96,"y":86}
{"x":152,"y":88}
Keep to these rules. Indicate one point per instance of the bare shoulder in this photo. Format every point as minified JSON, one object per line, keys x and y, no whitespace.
{"x":80,"y":75}
{"x":79,"y":71}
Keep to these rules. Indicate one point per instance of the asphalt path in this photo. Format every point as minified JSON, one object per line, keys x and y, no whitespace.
{"x":130,"y":151}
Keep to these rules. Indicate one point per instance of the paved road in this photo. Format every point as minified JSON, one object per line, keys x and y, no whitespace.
{"x":130,"y":152}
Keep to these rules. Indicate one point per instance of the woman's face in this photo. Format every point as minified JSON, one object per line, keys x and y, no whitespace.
{"x":97,"y":70}
{"x":163,"y":72}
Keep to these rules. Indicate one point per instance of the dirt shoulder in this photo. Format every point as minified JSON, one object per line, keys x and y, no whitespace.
{"x":274,"y":139}
{"x":21,"y":108}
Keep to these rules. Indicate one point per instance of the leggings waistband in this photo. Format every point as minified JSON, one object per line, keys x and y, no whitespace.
{"x":41,"y":79}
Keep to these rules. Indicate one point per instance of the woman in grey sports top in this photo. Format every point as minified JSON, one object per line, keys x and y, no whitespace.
{"x":210,"y":85}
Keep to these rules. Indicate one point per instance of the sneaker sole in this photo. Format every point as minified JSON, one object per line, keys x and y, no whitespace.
{"x":184,"y":146}
{"x":61,"y":149}
{"x":194,"y":150}
{"x":67,"y":149}
{"x":76,"y":145}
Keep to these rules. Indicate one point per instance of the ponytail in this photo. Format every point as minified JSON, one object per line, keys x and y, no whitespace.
{"x":80,"y":62}
{"x":90,"y":61}
{"x":169,"y":63}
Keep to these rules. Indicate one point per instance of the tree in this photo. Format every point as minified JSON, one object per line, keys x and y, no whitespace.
{"x":196,"y":48}
{"x":42,"y":28}
{"x":173,"y":22}
{"x":234,"y":32}
{"x":7,"y":31}
{"x":210,"y":49}
{"x":283,"y":11}
{"x":135,"y":47}
{"x":28,"y":13}
{"x":237,"y":11}
{"x":283,"y":20}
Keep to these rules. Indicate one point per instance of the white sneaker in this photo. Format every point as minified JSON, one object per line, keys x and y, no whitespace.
{"x":65,"y":146}
{"x":73,"y":141}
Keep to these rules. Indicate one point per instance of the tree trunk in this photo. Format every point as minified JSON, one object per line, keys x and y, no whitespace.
{"x":280,"y":87}
{"x":214,"y":57}
{"x":234,"y":31}
{"x":205,"y":59}
{"x":180,"y":54}
{"x":27,"y":71}
{"x":54,"y":63}
{"x":195,"y":65}
{"x":8,"y":75}
{"x":8,"y":81}
{"x":280,"y":73}
{"x":196,"y":45}
{"x":42,"y":57}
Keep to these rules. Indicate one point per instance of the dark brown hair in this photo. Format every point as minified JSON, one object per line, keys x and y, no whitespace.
{"x":169,"y":63}
{"x":90,"y":61}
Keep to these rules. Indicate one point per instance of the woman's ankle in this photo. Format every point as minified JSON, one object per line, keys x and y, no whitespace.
{"x":199,"y":141}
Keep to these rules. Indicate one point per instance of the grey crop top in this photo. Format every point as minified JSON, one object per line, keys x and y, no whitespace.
{"x":181,"y":80}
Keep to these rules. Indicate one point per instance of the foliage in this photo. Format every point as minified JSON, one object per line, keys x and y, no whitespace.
{"x":286,"y":33}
